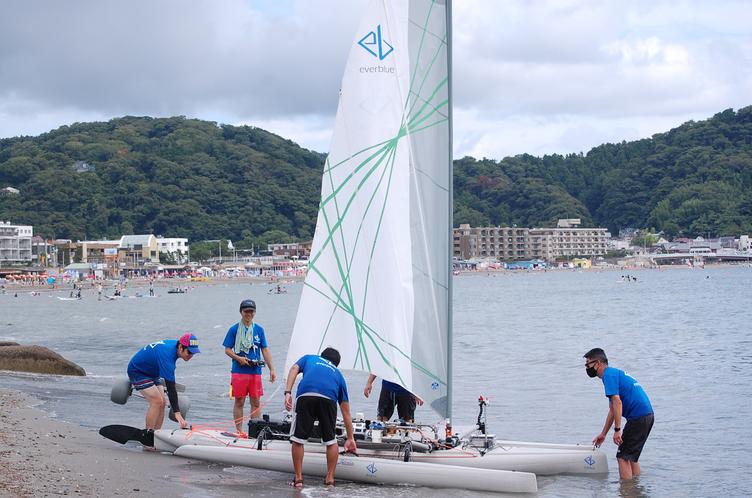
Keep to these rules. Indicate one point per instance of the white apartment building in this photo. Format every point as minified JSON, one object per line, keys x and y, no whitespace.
{"x":15,"y":242}
{"x":548,"y":244}
{"x":177,"y":247}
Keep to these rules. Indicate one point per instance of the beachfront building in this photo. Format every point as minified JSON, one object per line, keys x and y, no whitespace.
{"x":292,"y":250}
{"x":491,"y":242}
{"x":565,"y":241}
{"x":174,"y":248}
{"x":15,"y":242}
{"x":568,"y":240}
{"x":138,"y":249}
{"x":97,"y":251}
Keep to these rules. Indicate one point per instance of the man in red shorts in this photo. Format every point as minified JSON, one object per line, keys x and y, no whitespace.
{"x":245,"y":342}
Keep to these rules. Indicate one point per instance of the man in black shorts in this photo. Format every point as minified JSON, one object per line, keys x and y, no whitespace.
{"x":319,"y":391}
{"x":627,"y":399}
{"x":393,"y":394}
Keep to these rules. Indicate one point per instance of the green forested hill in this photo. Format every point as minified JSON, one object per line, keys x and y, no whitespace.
{"x":176,"y":177}
{"x":185,"y":177}
{"x":693,"y":180}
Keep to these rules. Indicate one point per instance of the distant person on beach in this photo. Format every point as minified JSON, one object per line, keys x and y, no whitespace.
{"x":99,"y":292}
{"x":393,"y":395}
{"x":627,"y":399}
{"x":157,"y":361}
{"x":245,"y":343}
{"x":319,"y":391}
{"x":151,"y":287}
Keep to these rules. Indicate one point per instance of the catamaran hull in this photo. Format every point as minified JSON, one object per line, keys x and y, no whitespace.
{"x":538,"y":458}
{"x":370,"y":470}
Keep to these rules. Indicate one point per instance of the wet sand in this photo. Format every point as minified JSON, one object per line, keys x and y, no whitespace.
{"x":43,"y":456}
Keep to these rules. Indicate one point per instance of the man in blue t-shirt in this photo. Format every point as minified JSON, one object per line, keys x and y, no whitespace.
{"x":245,"y":343}
{"x":627,"y":399}
{"x":157,"y":361}
{"x":393,"y":394}
{"x":319,"y":391}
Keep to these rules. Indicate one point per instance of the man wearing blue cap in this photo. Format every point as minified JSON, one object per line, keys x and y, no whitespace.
{"x":157,"y":361}
{"x":245,"y":342}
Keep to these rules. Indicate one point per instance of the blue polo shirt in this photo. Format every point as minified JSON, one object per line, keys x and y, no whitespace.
{"x":634,"y":400}
{"x":156,"y":360}
{"x":254,"y":353}
{"x":320,"y":376}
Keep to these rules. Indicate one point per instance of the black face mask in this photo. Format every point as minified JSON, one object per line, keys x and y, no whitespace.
{"x":591,"y":371}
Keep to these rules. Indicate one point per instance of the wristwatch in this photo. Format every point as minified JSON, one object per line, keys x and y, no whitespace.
{"x":288,"y":392}
{"x":617,"y":429}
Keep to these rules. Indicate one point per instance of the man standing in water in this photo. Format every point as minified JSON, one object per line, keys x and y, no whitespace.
{"x":319,"y":391}
{"x":627,"y":398}
{"x":245,"y":342}
{"x":157,"y":361}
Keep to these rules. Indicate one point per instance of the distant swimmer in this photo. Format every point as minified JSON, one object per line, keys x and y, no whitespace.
{"x":627,"y":399}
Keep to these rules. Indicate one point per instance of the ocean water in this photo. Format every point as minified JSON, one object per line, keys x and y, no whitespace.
{"x":518,"y":339}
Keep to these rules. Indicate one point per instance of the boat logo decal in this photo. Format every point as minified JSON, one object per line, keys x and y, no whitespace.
{"x":434,"y":385}
{"x":590,"y":461}
{"x":375,"y":44}
{"x":372,"y":468}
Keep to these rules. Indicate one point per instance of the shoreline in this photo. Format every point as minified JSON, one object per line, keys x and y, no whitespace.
{"x":44,"y":456}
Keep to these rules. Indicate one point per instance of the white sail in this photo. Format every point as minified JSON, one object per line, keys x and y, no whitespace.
{"x":377,"y":287}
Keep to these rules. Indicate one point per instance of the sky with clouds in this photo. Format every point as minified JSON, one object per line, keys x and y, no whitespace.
{"x":538,"y":77}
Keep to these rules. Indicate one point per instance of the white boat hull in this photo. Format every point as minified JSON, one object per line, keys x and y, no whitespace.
{"x":538,"y":458}
{"x":370,"y":470}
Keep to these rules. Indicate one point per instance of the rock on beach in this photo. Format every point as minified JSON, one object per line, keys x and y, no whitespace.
{"x":36,"y":359}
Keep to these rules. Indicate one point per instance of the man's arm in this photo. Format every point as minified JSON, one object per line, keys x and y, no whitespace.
{"x":598,"y":440}
{"x":291,"y":376}
{"x":240,"y":359}
{"x":350,"y":442}
{"x":616,"y":415}
{"x":172,"y":395}
{"x":369,"y":385}
{"x":268,"y":359}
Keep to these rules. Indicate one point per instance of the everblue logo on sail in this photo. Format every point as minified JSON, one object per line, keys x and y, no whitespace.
{"x":375,"y":44}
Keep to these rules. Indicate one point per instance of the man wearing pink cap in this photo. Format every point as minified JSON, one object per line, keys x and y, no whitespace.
{"x":157,"y":361}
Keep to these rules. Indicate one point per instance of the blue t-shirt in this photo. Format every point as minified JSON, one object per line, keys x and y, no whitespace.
{"x":634,"y":401}
{"x":320,"y":376}
{"x":391,"y":387}
{"x":156,"y":360}
{"x":254,"y":353}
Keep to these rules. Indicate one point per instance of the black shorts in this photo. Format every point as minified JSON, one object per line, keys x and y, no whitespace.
{"x":405,"y":405}
{"x":309,"y":409}
{"x":635,"y":434}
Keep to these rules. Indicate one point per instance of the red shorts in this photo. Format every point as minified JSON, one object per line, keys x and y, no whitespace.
{"x":243,"y":385}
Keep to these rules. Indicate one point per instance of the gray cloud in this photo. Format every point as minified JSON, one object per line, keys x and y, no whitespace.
{"x":538,"y":77}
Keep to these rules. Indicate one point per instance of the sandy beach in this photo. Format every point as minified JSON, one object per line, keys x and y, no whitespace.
{"x":43,"y":456}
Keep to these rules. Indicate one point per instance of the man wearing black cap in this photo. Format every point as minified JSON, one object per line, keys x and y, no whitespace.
{"x":245,"y":342}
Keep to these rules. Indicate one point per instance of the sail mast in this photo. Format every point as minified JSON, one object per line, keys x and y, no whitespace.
{"x":450,"y":208}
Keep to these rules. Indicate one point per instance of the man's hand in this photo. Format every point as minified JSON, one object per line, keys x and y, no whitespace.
{"x":617,"y":438}
{"x":367,"y":390}
{"x":598,"y":440}
{"x":288,"y":402}
{"x":272,"y":375}
{"x":350,"y":446}
{"x":181,"y":420}
{"x":418,"y":400}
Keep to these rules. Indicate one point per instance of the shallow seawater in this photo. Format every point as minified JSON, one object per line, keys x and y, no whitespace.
{"x":518,"y":339}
